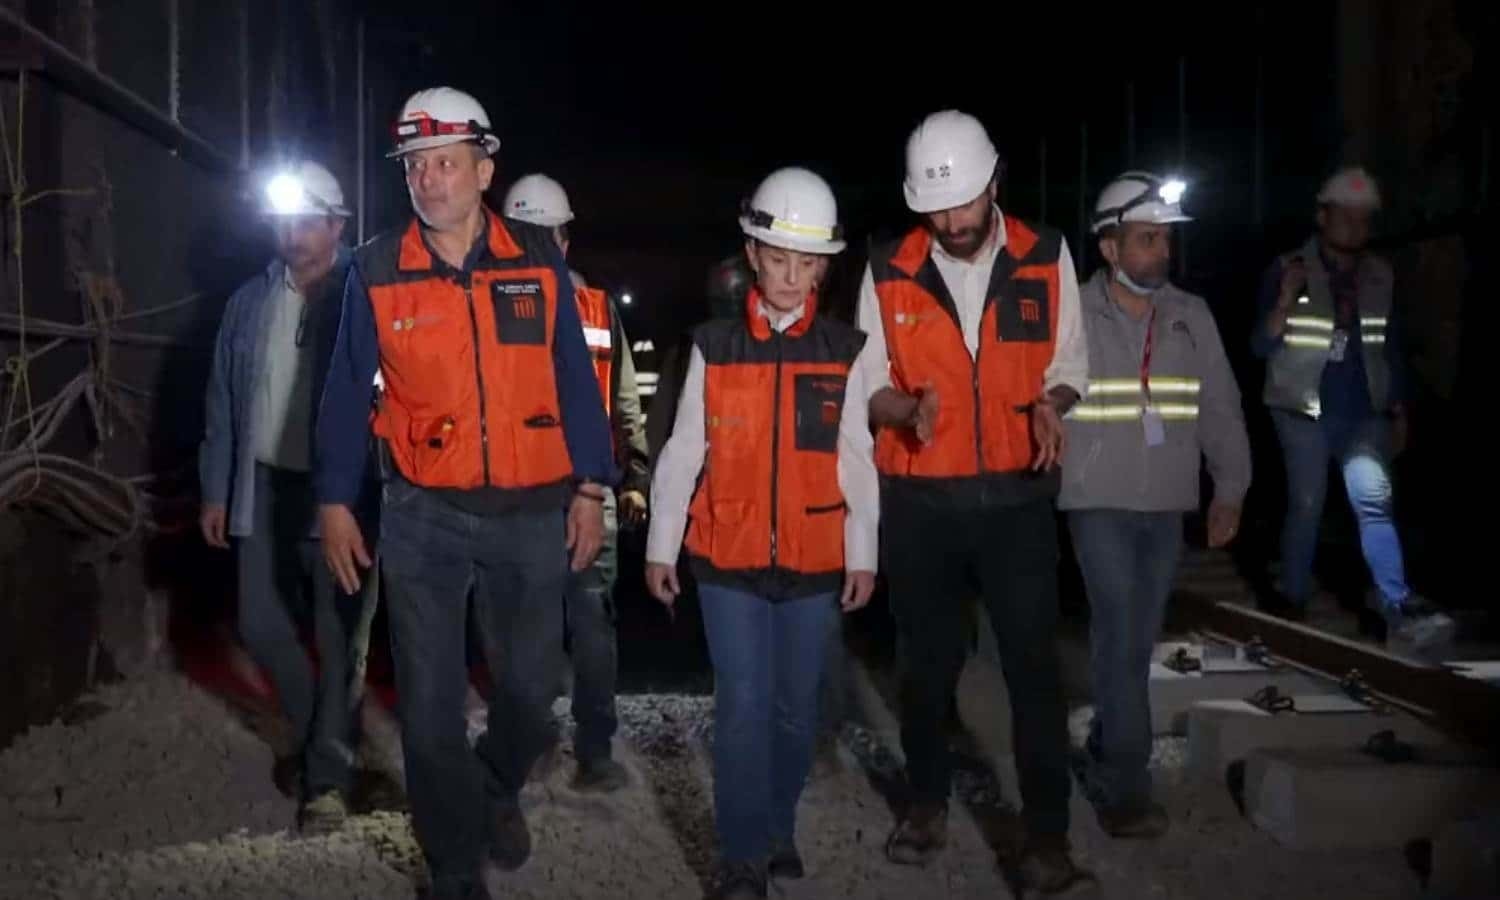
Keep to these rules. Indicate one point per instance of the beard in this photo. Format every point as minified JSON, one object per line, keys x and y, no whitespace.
{"x":965,"y":242}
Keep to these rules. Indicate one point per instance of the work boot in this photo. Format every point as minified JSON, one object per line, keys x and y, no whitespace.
{"x":826,"y":762}
{"x":1047,"y":868}
{"x":1136,"y":821}
{"x":1420,"y":631}
{"x":286,"y":774}
{"x":601,"y":776}
{"x":323,"y":814}
{"x":740,"y":881}
{"x":510,"y":840}
{"x":785,"y":861}
{"x":920,"y":836}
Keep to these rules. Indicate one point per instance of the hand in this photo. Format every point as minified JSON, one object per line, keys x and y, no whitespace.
{"x":858,"y":586}
{"x":1400,"y":431}
{"x":661,"y":581}
{"x":585,"y":531}
{"x":1293,"y":281}
{"x":633,"y":507}
{"x":1223,"y":523}
{"x":1050,"y":436}
{"x":343,"y":545}
{"x":924,"y":416}
{"x":211,"y":522}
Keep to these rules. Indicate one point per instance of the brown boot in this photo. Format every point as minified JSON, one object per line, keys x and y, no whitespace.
{"x":1148,"y":821}
{"x":1047,"y":868}
{"x":920,"y":835}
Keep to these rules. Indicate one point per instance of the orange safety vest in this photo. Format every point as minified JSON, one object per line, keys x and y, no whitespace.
{"x":984,"y":424}
{"x":593,"y":311}
{"x":769,"y":505}
{"x":470,"y":397}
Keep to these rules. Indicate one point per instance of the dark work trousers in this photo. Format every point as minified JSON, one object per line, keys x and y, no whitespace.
{"x":590,"y":608}
{"x":283,"y":581}
{"x":931,"y":551}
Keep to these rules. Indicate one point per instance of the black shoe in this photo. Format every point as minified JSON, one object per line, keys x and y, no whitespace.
{"x":510,"y":842}
{"x":785,"y":861}
{"x":286,"y":774}
{"x":740,"y":881}
{"x":1148,"y":821}
{"x":1283,"y":608}
{"x":920,"y":836}
{"x":1047,"y":868}
{"x":603,"y":776}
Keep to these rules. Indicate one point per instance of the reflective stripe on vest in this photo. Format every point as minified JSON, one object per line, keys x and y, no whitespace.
{"x":769,"y":498}
{"x":1121,"y":400}
{"x":1294,"y":370}
{"x":470,"y":397}
{"x":593,"y":312}
{"x":983,"y":423}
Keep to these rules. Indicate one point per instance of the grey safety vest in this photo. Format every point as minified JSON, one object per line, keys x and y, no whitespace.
{"x":1294,"y":371}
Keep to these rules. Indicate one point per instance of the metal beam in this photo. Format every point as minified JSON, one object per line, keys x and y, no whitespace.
{"x":112,"y":97}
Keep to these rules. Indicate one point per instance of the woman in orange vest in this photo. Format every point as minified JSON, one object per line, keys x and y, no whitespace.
{"x":782,"y":528}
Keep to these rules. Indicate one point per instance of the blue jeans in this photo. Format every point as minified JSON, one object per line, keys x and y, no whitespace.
{"x":768,"y":662}
{"x":516,"y":565}
{"x":1364,"y":460}
{"x":590,"y":617}
{"x":282,"y":579}
{"x":1129,"y":560}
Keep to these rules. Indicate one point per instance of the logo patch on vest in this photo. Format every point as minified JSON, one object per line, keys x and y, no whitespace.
{"x":520,"y":311}
{"x":1022,"y":312}
{"x":819,"y":405}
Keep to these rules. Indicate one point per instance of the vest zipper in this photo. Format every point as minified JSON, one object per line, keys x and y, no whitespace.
{"x":775,"y":443}
{"x":484,"y":425}
{"x":978,"y":418}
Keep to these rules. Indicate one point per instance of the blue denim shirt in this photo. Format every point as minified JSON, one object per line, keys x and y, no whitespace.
{"x":226,"y":457}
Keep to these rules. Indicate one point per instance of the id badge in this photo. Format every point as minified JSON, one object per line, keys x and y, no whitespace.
{"x":1156,"y":430}
{"x":1339,"y":346}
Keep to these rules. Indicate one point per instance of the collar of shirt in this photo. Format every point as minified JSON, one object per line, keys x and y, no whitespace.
{"x":787,"y":320}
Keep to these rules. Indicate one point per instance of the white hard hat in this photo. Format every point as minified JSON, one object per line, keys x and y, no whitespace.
{"x":439,"y":116}
{"x":1140,"y":197}
{"x":1351,"y":187}
{"x":539,"y":200}
{"x":305,"y":189}
{"x":794,"y":209}
{"x":949,"y":161}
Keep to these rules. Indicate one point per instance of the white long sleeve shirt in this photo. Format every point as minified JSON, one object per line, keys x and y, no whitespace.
{"x":681,"y":461}
{"x":968,"y":282}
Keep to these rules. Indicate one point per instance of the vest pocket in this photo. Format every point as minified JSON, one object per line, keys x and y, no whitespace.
{"x":821,"y":544}
{"x":819,"y":405}
{"x":736,"y":543}
{"x":432,"y":441}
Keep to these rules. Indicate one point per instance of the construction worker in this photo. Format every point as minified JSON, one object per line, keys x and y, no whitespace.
{"x":491,"y":417}
{"x":784,"y":516}
{"x":980,"y":353}
{"x":589,"y":610}
{"x":1161,"y":394}
{"x":1334,"y":386}
{"x":269,"y":363}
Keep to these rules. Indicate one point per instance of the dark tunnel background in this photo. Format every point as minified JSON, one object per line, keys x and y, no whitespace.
{"x":158,"y":121}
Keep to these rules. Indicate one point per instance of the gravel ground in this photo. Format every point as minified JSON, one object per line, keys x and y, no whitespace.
{"x":158,"y":790}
